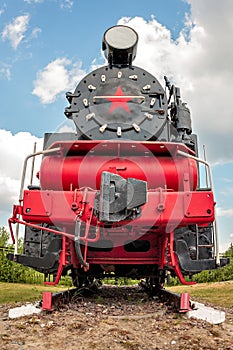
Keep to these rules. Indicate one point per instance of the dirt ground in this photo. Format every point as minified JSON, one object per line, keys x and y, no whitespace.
{"x":114,"y":318}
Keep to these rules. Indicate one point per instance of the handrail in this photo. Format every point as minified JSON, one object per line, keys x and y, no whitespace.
{"x":181,"y":153}
{"x":187,"y":155}
{"x":49,"y":151}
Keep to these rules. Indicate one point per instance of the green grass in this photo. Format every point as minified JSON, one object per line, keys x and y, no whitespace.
{"x":11,"y":293}
{"x":216,"y":293}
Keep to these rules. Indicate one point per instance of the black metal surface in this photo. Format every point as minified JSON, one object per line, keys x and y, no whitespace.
{"x":190,"y":266}
{"x":49,"y":138}
{"x":204,"y":239}
{"x":118,"y":113}
{"x":41,"y":250}
{"x":48,"y":264}
{"x":121,"y":101}
{"x":119,"y":198}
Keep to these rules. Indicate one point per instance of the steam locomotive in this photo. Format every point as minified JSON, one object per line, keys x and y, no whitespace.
{"x":122,"y":195}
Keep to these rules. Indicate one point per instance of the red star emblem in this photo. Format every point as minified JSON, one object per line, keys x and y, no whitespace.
{"x":118,"y":101}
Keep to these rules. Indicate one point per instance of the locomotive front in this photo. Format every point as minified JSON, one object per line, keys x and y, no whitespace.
{"x":122,"y":194}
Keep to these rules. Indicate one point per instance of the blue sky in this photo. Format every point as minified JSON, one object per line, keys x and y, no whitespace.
{"x":55,"y":29}
{"x":47,"y":46}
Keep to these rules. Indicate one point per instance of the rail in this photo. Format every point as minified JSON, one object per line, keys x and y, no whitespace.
{"x":209,"y":174}
{"x":117,"y":97}
{"x":32,"y":155}
{"x":48,"y":151}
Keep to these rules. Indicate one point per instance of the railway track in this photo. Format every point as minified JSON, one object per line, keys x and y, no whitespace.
{"x":155,"y":301}
{"x":178,"y":302}
{"x":113,"y":317}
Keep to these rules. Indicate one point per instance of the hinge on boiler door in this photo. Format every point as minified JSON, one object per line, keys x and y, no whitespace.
{"x":186,"y":182}
{"x":162,"y":197}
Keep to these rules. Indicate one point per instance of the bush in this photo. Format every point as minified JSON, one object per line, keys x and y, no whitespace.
{"x":11,"y":271}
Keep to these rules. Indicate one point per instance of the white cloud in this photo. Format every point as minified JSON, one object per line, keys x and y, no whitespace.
{"x":225,"y":212}
{"x":14,"y":31}
{"x":57,"y":77}
{"x":33,"y":1}
{"x":5,"y":71}
{"x":229,"y":181}
{"x":66,"y":126}
{"x":35,"y":32}
{"x":225,"y":246}
{"x":13,"y":150}
{"x":63,"y":3}
{"x":67,"y":4}
{"x":9,"y":189}
{"x":200,"y":63}
{"x":2,"y":10}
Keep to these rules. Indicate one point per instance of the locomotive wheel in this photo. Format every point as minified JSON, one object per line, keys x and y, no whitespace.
{"x":81,"y":281}
{"x":153,"y":285}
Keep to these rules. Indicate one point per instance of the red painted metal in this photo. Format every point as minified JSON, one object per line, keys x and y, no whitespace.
{"x":70,"y":181}
{"x":178,"y":208}
{"x":173,"y":260}
{"x":63,"y":261}
{"x":47,"y":300}
{"x":184,"y":302}
{"x":119,"y":148}
{"x":163,"y":212}
{"x":77,"y":168}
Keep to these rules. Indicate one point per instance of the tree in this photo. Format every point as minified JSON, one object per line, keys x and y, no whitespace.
{"x":4,"y":237}
{"x":11,"y":271}
{"x":229,"y":251}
